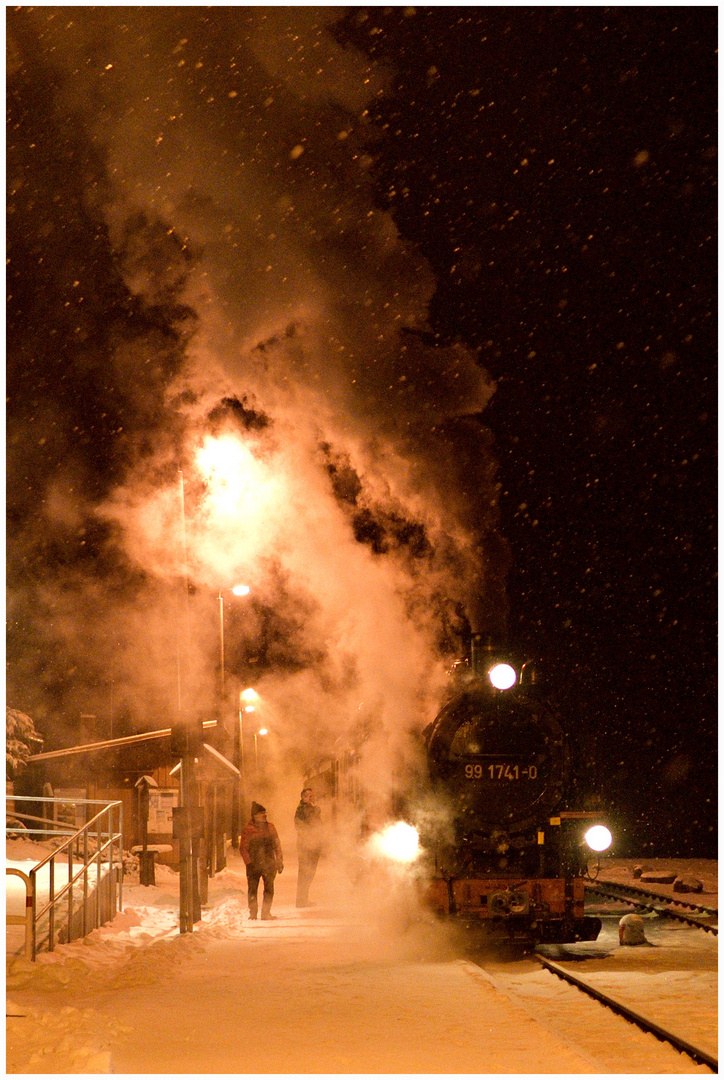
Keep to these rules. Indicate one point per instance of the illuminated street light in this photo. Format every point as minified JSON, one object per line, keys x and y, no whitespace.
{"x":235,"y":480}
{"x":241,"y":590}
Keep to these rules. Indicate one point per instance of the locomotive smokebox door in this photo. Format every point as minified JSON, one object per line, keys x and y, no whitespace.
{"x":498,"y":757}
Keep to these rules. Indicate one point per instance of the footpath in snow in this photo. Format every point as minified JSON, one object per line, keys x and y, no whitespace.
{"x":358,"y":984}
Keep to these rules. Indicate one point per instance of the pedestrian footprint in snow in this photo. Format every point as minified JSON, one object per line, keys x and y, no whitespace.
{"x":308,"y":823}
{"x":262,"y":853}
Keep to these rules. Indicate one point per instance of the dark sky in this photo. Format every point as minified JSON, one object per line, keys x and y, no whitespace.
{"x":556,"y":169}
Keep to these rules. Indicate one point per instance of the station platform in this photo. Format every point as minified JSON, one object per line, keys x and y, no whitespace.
{"x":359,"y":984}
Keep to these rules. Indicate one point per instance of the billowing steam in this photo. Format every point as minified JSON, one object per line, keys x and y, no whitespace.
{"x":264,"y":402}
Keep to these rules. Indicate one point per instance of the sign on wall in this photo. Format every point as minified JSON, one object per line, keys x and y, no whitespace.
{"x":160,"y":806}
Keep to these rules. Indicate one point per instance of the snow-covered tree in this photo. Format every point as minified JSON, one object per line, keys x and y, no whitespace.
{"x":22,"y":740}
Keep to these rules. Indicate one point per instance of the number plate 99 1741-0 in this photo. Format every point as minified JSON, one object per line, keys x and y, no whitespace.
{"x":501,"y":771}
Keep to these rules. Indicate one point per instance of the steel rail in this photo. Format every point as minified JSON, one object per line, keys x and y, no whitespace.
{"x":660,"y":905}
{"x":635,"y":1017}
{"x":592,"y":883}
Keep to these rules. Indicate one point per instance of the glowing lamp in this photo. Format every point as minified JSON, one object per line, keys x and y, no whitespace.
{"x":263,"y":731}
{"x":241,"y":590}
{"x":503,"y":676}
{"x":598,"y":838}
{"x":249,"y":694}
{"x":399,"y":842}
{"x":249,"y":708}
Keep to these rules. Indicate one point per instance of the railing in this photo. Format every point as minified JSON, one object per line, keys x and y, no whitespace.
{"x":95,"y":843}
{"x":25,"y":920}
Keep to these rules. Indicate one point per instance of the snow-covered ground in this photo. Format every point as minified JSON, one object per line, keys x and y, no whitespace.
{"x":23,"y":855}
{"x":672,"y":979}
{"x":359,"y":984}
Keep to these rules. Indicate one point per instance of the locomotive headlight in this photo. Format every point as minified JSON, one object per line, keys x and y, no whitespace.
{"x":598,"y":838}
{"x":503,"y":676}
{"x":399,"y":842}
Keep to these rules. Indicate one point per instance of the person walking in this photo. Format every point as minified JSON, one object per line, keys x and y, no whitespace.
{"x":308,"y":823}
{"x":261,"y":851}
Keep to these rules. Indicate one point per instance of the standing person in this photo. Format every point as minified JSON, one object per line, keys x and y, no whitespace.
{"x":262,"y":852}
{"x":308,"y":822}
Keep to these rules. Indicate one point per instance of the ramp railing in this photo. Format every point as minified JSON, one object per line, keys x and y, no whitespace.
{"x":91,"y":894}
{"x":26,"y":919}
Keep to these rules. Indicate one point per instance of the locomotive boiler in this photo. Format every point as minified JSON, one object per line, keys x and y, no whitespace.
{"x":500,"y":842}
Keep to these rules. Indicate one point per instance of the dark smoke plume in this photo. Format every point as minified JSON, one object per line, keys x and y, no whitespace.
{"x":202,"y":287}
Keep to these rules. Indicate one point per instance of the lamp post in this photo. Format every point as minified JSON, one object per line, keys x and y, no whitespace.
{"x":247,"y":698}
{"x":185,"y":741}
{"x":221,"y":646}
{"x":261,"y":731}
{"x":237,"y":590}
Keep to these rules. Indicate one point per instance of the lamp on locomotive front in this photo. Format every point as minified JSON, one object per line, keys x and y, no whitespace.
{"x":398,"y":842}
{"x":503,"y":676}
{"x":598,"y":838}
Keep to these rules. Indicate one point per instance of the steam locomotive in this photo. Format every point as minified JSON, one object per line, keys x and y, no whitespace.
{"x":500,"y":844}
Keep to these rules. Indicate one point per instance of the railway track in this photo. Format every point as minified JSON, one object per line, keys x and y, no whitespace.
{"x":574,"y":1026}
{"x":666,"y":906}
{"x":645,"y":1023}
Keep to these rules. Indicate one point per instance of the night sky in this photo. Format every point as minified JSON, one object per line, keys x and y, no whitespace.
{"x":552,"y":171}
{"x":557,"y":167}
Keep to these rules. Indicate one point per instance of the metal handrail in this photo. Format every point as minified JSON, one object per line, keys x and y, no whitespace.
{"x":55,"y":899}
{"x":21,"y":818}
{"x":25,"y":920}
{"x":105,"y":841}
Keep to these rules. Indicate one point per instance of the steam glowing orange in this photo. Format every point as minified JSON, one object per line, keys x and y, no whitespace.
{"x":237,"y":483}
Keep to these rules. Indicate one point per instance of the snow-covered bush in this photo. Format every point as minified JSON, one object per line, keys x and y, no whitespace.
{"x":22,"y":740}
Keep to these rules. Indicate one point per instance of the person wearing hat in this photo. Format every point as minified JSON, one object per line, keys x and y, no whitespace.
{"x":262,"y":853}
{"x":308,"y":823}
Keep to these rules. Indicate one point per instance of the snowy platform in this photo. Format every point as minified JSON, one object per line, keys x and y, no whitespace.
{"x":358,"y":984}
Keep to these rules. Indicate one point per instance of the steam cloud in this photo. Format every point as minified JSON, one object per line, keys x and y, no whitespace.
{"x":245,"y":297}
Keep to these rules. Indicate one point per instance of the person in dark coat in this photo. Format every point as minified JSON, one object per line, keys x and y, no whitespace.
{"x":308,"y":822}
{"x":262,"y":853}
